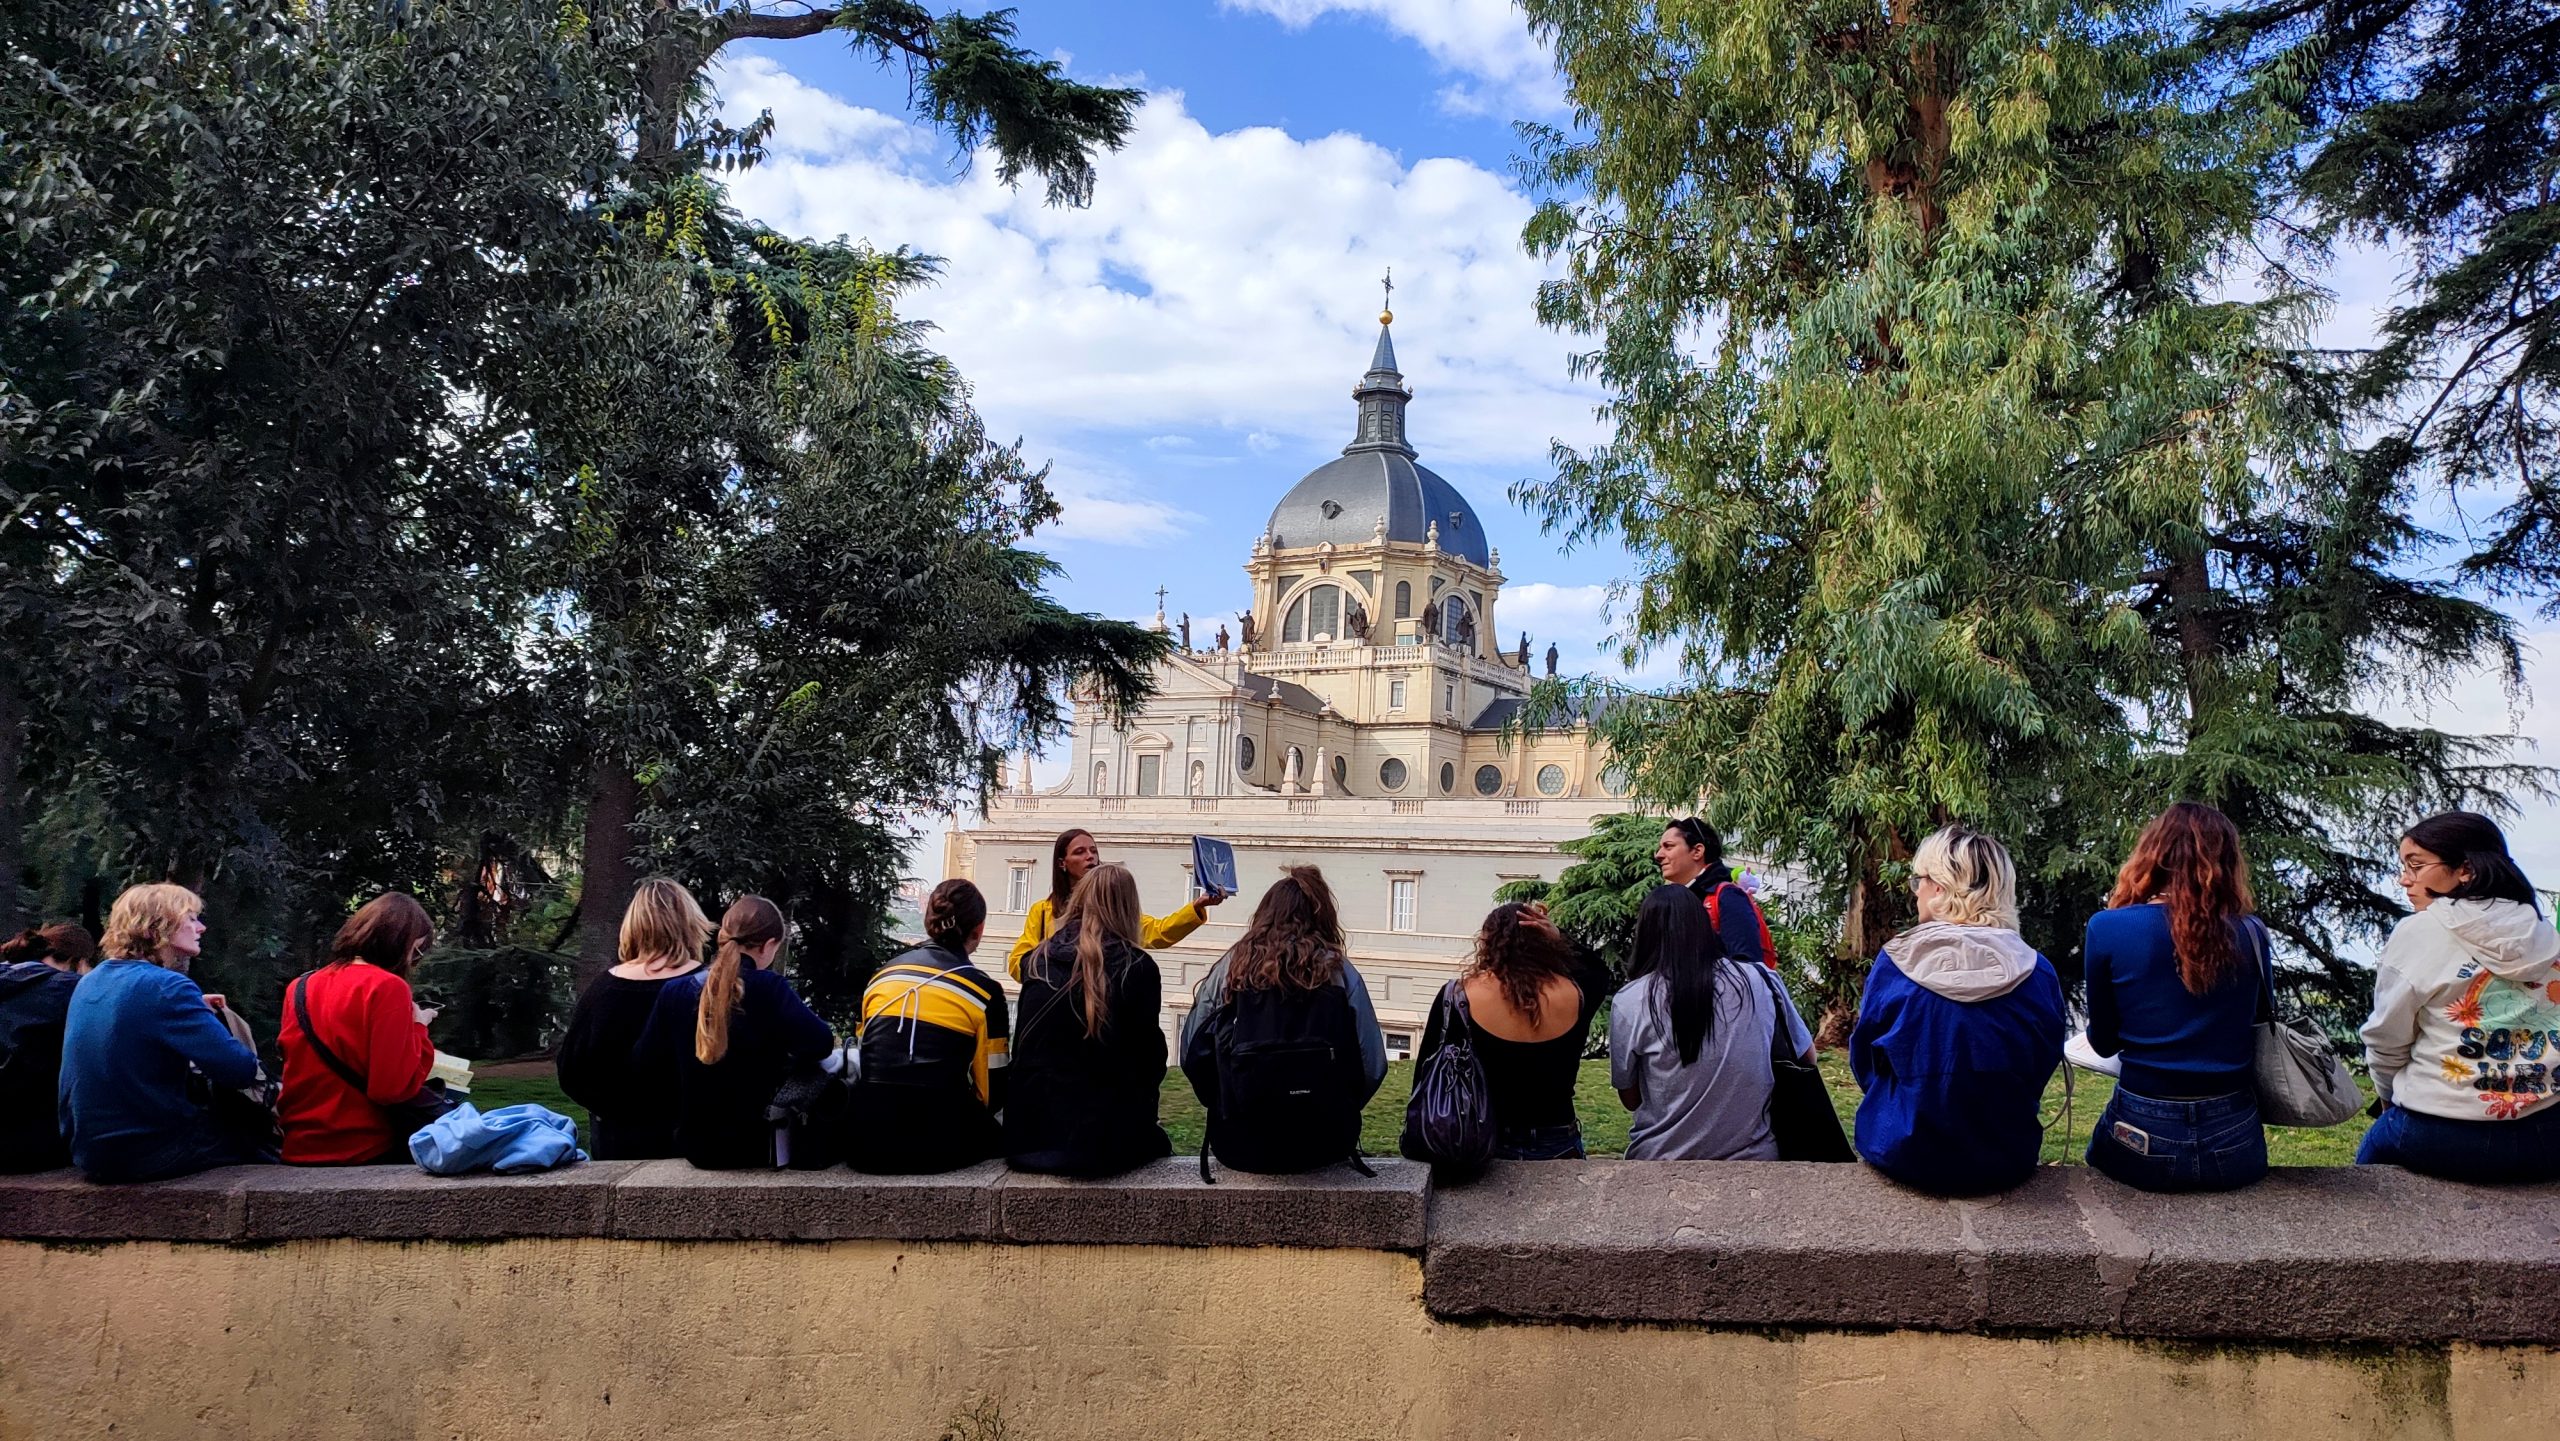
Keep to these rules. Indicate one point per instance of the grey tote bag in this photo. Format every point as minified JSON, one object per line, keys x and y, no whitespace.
{"x":2301,"y":1082}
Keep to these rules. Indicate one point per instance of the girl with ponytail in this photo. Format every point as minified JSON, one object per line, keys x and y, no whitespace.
{"x":934,"y":1048}
{"x":1090,"y":1057}
{"x":723,"y":1039}
{"x":2177,"y":968}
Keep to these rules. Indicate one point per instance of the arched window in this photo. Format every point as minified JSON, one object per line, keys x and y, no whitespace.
{"x":1101,"y":779}
{"x":1316,"y":615}
{"x":1452,"y":611}
{"x":1404,"y":600}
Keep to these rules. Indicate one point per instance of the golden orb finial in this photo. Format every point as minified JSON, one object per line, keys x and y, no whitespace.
{"x":1386,"y":317}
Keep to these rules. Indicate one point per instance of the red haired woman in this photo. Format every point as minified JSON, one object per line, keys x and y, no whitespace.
{"x":2176,"y":965}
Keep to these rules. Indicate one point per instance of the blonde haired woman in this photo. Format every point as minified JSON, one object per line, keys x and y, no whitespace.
{"x":1071,"y":857}
{"x":1959,"y":1029}
{"x":721,"y":1041}
{"x":630,"y":1115}
{"x":1089,"y":1055}
{"x":142,"y":1049}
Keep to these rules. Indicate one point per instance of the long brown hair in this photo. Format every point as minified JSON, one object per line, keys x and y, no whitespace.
{"x":1521,"y":952}
{"x":749,"y":922}
{"x":61,"y":942}
{"x":1062,"y":887}
{"x":1294,"y":940}
{"x":2189,"y":860}
{"x":385,"y":933}
{"x":1104,"y":906}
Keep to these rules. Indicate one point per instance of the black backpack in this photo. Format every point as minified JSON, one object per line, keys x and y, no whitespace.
{"x":1279,"y":1072}
{"x":1449,"y":1120}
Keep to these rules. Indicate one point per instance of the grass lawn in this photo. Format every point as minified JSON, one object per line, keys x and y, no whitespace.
{"x":1604,"y":1121}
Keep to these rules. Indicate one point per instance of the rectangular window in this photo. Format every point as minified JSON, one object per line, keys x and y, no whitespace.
{"x":1395,"y":695}
{"x":1449,"y":699}
{"x":1150,"y":772}
{"x":1399,"y":1045}
{"x":1400,"y":896}
{"x":1017,"y":889}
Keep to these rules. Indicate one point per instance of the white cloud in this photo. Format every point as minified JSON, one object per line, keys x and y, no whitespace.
{"x":1486,"y":40}
{"x":1220,"y":282}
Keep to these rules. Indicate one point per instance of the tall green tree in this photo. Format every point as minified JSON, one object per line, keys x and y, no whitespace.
{"x":2433,"y":127}
{"x":1938,"y":440}
{"x":969,"y":80}
{"x":264,"y":561}
{"x":798,"y":610}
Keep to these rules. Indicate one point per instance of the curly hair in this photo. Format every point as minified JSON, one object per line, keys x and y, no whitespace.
{"x":1521,"y":951}
{"x":2189,"y":859}
{"x":1295,"y":939}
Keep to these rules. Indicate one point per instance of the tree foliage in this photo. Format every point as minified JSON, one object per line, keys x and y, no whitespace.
{"x":1959,"y":484}
{"x":407,"y":474}
{"x":2433,"y":127}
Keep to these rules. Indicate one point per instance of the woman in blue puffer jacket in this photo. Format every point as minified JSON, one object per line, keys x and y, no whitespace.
{"x":1959,"y":1030}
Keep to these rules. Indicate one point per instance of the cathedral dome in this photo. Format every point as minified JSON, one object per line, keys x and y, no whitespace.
{"x":1376,"y":478}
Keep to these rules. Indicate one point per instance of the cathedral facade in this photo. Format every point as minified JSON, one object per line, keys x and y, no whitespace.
{"x":1354,"y":720}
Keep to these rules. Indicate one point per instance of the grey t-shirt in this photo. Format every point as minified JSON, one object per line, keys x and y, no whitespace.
{"x":1716,"y":1108}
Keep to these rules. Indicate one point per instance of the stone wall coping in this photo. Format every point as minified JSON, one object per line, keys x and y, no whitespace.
{"x":2330,"y":1254}
{"x":2357,"y":1255}
{"x":1164,"y":1203}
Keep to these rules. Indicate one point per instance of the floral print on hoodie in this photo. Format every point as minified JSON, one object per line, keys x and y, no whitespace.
{"x":2466,"y":1012}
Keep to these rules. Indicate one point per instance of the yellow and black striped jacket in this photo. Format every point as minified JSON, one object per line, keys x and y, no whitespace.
{"x":930,"y":1019}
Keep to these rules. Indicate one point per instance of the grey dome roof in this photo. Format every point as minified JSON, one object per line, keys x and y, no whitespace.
{"x":1343,"y":500}
{"x":1366,"y":484}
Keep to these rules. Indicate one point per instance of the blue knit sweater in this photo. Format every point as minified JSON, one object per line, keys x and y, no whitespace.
{"x":133,"y":1034}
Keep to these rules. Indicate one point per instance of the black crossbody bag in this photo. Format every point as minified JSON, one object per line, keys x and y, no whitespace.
{"x":407,"y":1117}
{"x":1800,"y":1112}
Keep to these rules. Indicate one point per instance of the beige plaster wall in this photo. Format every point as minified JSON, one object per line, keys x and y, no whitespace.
{"x":579,"y":1338}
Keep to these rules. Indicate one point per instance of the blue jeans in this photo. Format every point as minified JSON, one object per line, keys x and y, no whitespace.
{"x":1538,"y":1143}
{"x":2483,"y":1152}
{"x":2214,"y":1144}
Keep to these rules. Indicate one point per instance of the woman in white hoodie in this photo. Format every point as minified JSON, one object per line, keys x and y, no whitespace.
{"x":2464,"y":1041}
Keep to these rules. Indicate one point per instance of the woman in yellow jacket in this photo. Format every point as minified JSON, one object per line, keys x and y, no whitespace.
{"x":1072,"y":856}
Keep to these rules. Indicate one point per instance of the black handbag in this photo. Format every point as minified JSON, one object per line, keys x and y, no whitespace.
{"x":1800,"y":1112}
{"x":407,"y":1117}
{"x":1448,"y":1122}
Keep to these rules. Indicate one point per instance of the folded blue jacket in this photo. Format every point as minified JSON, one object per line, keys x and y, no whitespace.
{"x":506,"y":1140}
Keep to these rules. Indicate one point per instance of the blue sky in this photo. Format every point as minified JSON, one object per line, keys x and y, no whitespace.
{"x":1183,"y":350}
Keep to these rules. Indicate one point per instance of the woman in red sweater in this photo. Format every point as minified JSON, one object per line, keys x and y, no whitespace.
{"x":360,"y":1005}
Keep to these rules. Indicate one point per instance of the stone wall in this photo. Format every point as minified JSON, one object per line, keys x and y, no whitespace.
{"x":1562,"y":1299}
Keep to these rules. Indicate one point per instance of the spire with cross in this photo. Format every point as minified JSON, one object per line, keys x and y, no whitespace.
{"x":1381,"y":392}
{"x":1387,"y":308}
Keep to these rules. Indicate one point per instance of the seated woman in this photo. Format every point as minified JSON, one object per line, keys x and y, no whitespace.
{"x":1959,"y":1030}
{"x":1690,"y":1037}
{"x":1284,"y":1013}
{"x":934,"y":1050}
{"x":143,"y":1048}
{"x":358,"y":1007}
{"x":663,"y":932}
{"x":2176,"y":967}
{"x":2463,"y":1005}
{"x":721,"y":1041}
{"x":1071,"y":857}
{"x":1531,"y":998}
{"x":39,"y":969}
{"x":1088,"y":1052}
